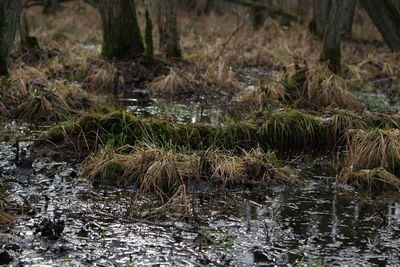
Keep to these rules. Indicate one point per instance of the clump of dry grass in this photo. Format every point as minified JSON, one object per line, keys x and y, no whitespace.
{"x":74,"y":96}
{"x":369,"y":149}
{"x":377,"y":178}
{"x":339,"y":122}
{"x":222,"y":77}
{"x":172,"y":84}
{"x":157,"y":170}
{"x":253,"y":167}
{"x":262,"y":95}
{"x":316,"y":87}
{"x":102,"y":79}
{"x":43,"y":105}
{"x":18,"y":86}
{"x":374,"y":159}
{"x":152,"y":169}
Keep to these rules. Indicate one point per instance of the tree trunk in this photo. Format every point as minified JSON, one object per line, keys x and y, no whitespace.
{"x":50,"y":7}
{"x":121,"y":33}
{"x":272,"y":11}
{"x":349,"y":7}
{"x":258,"y":15}
{"x":385,"y":14}
{"x":9,"y":17}
{"x":332,"y":37}
{"x":168,"y":28}
{"x":27,"y":41}
{"x":303,"y":8}
{"x":321,"y":10}
{"x":148,"y":37}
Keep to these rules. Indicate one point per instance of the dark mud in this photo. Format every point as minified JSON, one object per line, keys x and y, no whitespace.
{"x":67,"y":221}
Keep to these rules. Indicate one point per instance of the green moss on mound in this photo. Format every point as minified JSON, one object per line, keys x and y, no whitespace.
{"x":284,"y":128}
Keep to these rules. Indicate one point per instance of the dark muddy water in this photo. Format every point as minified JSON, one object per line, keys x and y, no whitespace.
{"x":68,"y":222}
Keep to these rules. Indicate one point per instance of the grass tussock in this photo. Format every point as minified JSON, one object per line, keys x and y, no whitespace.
{"x":373,"y":158}
{"x":370,"y":179}
{"x":159,"y":170}
{"x":369,"y":149}
{"x":102,"y":79}
{"x":339,"y":122}
{"x":220,"y":76}
{"x":43,"y":105}
{"x":251,"y":167}
{"x":293,"y":127}
{"x":316,"y":87}
{"x":172,"y":84}
{"x":263,"y":95}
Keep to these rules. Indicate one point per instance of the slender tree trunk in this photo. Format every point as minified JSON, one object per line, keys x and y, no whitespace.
{"x":9,"y":18}
{"x":332,"y":37}
{"x":121,"y":33}
{"x":168,"y":28}
{"x":258,"y":15}
{"x":385,"y":14}
{"x":27,"y":41}
{"x":349,"y":7}
{"x":286,"y":6}
{"x":148,"y":37}
{"x":321,"y":11}
{"x":50,"y":7}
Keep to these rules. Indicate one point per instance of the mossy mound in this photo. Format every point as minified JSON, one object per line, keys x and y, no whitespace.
{"x":283,"y":128}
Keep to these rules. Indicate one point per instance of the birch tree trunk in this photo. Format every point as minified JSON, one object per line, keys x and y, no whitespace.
{"x":385,"y":14}
{"x":121,"y":33}
{"x":9,"y":18}
{"x":169,"y":39}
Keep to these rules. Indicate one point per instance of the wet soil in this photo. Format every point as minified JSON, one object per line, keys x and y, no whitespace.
{"x":67,"y":221}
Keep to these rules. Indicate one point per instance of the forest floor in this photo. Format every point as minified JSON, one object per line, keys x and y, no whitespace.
{"x":247,"y":151}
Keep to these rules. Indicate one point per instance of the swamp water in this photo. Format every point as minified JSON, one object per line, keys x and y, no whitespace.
{"x":68,"y":222}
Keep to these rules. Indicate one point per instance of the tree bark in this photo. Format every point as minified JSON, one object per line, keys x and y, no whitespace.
{"x":27,"y":41}
{"x":258,"y":15}
{"x":332,"y":37}
{"x":385,"y":14}
{"x":321,"y":11}
{"x":303,"y":8}
{"x":121,"y":33}
{"x":270,"y":10}
{"x":148,"y":37}
{"x":9,"y":18}
{"x":169,"y":39}
{"x":349,"y":8}
{"x":50,"y":7}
